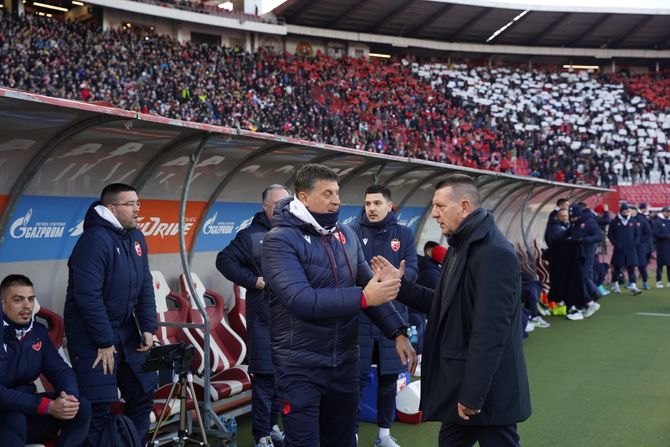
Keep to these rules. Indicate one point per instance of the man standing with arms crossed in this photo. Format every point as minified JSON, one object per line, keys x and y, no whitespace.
{"x":380,"y":233}
{"x":473,"y":374}
{"x":319,"y":282}
{"x":110,"y":311}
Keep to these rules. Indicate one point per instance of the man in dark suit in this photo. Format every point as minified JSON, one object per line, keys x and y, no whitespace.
{"x":474,"y":371}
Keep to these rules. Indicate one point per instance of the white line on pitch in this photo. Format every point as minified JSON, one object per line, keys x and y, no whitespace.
{"x":652,"y":314}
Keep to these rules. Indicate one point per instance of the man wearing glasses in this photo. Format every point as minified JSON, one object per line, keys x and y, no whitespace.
{"x":110,"y":312}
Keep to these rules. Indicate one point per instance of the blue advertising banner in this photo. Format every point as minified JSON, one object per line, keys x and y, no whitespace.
{"x":44,"y":228}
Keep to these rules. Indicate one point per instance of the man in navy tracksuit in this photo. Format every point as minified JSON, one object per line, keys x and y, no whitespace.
{"x":110,"y":312}
{"x":380,"y":234}
{"x":624,"y":235}
{"x":240,"y":262}
{"x":319,"y":282}
{"x":27,"y":352}
{"x":662,"y":238}
{"x":644,"y":247}
{"x":585,"y":233}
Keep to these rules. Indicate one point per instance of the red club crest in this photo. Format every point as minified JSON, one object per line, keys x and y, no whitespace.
{"x":341,"y":237}
{"x":138,"y":248}
{"x":38,"y":345}
{"x":395,"y":244}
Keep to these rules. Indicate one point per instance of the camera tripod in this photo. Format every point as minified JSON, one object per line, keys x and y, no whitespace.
{"x":181,"y":384}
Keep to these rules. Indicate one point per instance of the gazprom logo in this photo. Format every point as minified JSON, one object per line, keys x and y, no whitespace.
{"x":21,"y":228}
{"x":211,"y":226}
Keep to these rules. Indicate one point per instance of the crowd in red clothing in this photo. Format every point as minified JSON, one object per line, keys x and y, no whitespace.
{"x":380,"y":106}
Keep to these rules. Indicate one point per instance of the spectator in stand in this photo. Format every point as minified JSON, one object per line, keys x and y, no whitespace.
{"x":240,"y":262}
{"x":643,"y":247}
{"x":27,"y":416}
{"x":380,"y":234}
{"x":662,"y":238}
{"x":624,"y":235}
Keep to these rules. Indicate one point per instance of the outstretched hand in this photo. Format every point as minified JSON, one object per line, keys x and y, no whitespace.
{"x":378,"y":292}
{"x":380,"y":265}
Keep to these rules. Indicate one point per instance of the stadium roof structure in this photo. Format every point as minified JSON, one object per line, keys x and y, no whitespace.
{"x":470,"y":21}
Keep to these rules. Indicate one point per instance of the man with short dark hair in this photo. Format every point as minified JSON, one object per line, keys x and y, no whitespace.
{"x":473,"y":374}
{"x":240,"y":262}
{"x":110,"y":311}
{"x":319,"y":282}
{"x":27,"y":351}
{"x":380,"y":233}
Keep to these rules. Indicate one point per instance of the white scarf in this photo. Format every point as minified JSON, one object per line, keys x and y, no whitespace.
{"x":298,"y":209}
{"x":623,"y":220}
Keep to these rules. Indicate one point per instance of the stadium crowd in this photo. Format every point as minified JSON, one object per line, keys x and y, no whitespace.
{"x":565,"y":126}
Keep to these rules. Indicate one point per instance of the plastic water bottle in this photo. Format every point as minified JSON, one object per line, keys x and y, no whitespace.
{"x":413,"y":335}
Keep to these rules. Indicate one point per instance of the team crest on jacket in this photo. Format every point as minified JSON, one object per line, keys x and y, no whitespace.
{"x":395,"y":244}
{"x":340,"y":236}
{"x":37,"y":345}
{"x":138,"y":248}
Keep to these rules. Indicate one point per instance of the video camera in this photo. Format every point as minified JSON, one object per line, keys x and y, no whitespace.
{"x":178,"y":357}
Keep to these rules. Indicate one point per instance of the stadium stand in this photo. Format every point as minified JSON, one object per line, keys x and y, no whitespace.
{"x":564,"y":126}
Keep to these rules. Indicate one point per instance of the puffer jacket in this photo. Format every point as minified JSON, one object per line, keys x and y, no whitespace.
{"x":24,"y":361}
{"x":316,"y":283}
{"x":394,"y":242}
{"x":110,"y":299}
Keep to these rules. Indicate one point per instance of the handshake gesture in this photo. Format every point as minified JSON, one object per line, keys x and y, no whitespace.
{"x":385,"y":284}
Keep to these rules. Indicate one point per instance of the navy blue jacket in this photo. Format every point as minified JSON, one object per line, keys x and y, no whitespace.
{"x":429,"y":272}
{"x":395,"y":242}
{"x":315,"y":293}
{"x":240,"y":262}
{"x":24,"y":361}
{"x":109,"y":294}
{"x":646,"y":236}
{"x":662,"y":238}
{"x":586,"y":233}
{"x":624,"y":238}
{"x":556,"y":231}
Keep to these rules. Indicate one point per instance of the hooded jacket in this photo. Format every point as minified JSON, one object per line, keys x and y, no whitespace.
{"x":316,"y":278}
{"x":240,"y":262}
{"x":110,"y":301}
{"x":395,"y":242}
{"x":24,"y":361}
{"x":662,"y":238}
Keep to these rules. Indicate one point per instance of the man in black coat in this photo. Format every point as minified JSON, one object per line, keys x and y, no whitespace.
{"x":474,"y":371}
{"x":240,"y":262}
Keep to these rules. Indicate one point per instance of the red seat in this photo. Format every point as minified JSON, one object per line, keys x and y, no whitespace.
{"x":237,"y":314}
{"x":227,"y":349}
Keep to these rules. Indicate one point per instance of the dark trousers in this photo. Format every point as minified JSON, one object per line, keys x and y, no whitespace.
{"x":138,"y":405}
{"x":18,"y":429}
{"x":617,"y":274}
{"x":319,"y":405}
{"x":264,"y":405}
{"x":458,"y":435}
{"x":387,"y":387}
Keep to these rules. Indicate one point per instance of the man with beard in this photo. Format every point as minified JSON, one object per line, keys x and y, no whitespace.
{"x":110,"y":310}
{"x":380,"y":233}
